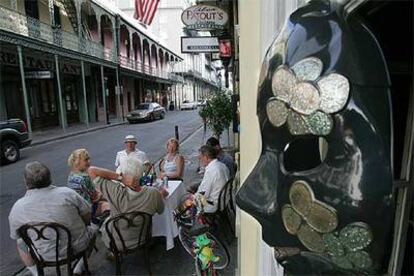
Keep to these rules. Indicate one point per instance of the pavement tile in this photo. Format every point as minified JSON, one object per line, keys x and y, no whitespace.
{"x":175,"y":261}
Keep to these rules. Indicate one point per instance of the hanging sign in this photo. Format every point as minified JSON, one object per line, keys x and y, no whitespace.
{"x":225,"y":48}
{"x":38,"y":75}
{"x":200,"y":44}
{"x":204,"y":17}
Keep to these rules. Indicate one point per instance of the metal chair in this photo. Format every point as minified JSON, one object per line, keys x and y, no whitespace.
{"x":143,"y":224}
{"x":224,"y":203}
{"x":60,"y":235}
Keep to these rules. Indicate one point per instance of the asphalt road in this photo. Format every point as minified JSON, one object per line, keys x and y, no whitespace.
{"x":102,"y":146}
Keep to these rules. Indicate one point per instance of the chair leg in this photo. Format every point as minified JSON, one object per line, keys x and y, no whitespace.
{"x":147,"y":259}
{"x":229,"y":234}
{"x":118,"y":264}
{"x":85,"y":261}
{"x":40,"y":270}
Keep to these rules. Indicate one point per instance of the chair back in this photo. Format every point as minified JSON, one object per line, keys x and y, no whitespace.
{"x":119,"y":227}
{"x":225,"y":195}
{"x":56,"y":234}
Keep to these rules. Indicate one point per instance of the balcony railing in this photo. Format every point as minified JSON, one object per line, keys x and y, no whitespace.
{"x":15,"y":22}
{"x":138,"y":66}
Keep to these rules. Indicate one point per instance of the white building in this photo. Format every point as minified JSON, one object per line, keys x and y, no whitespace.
{"x":197,"y":73}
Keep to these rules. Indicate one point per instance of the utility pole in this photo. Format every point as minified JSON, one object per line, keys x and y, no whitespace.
{"x":194,"y":89}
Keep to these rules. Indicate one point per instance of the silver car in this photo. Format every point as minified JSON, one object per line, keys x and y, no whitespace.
{"x":146,"y":112}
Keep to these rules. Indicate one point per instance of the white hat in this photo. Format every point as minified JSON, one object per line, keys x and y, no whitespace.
{"x":130,"y":138}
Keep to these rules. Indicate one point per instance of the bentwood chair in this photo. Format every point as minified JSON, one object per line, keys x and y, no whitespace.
{"x":140,"y":223}
{"x":223,"y":208}
{"x":33,"y":234}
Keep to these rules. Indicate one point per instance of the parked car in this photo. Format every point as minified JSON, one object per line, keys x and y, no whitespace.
{"x":146,"y":112}
{"x":202,"y":103}
{"x":188,"y":105}
{"x":13,"y":137}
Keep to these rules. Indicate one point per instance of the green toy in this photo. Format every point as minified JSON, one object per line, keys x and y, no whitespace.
{"x":204,"y":252}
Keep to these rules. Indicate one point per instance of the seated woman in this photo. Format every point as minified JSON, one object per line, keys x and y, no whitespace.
{"x":79,"y":180}
{"x":172,"y":165}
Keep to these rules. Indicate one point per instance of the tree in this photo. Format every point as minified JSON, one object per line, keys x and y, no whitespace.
{"x":217,"y":113}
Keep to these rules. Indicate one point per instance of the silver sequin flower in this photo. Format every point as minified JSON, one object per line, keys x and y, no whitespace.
{"x":304,"y":100}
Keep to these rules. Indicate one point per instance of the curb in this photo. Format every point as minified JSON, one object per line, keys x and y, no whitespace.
{"x":70,"y":134}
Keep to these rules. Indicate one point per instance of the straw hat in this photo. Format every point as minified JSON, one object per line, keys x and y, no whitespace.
{"x":130,"y":138}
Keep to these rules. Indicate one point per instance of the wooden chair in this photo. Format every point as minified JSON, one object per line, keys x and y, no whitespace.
{"x":143,"y":224}
{"x":61,"y":236}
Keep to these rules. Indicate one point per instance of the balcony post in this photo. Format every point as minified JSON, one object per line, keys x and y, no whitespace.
{"x":84,"y":94}
{"x":51,"y":12}
{"x":78,"y":5}
{"x":104,"y":95}
{"x":25,"y":98}
{"x":61,"y":107}
{"x":13,"y":5}
{"x":119,"y":111}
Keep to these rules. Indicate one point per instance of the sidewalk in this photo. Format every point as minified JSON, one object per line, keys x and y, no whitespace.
{"x":173,"y":262}
{"x":57,"y":133}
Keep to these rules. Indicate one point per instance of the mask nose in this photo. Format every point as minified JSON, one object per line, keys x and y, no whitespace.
{"x":258,"y":194}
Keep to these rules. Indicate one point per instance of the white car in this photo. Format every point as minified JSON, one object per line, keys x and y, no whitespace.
{"x":188,"y":105}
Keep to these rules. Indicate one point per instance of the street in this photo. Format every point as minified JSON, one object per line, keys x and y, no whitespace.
{"x":102,"y":146}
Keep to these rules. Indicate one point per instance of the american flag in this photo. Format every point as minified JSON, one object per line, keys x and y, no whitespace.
{"x":145,"y":10}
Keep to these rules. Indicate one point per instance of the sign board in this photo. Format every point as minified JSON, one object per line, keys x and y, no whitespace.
{"x":204,"y":17}
{"x":38,"y":75}
{"x":225,"y":48}
{"x":200,"y":44}
{"x":215,"y":56}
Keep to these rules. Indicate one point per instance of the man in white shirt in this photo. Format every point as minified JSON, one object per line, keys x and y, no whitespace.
{"x":215,"y":177}
{"x":130,"y":151}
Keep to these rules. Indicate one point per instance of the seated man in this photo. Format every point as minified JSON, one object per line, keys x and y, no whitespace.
{"x":129,"y":197}
{"x":222,"y":156}
{"x":215,"y":177}
{"x":129,"y":151}
{"x":43,"y":202}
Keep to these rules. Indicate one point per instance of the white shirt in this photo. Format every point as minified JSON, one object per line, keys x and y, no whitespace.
{"x":122,"y":155}
{"x":215,"y":177}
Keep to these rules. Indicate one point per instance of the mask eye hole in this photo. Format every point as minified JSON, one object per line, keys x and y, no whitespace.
{"x":304,"y":154}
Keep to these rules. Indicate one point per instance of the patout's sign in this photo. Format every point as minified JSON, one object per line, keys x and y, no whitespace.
{"x":204,"y":17}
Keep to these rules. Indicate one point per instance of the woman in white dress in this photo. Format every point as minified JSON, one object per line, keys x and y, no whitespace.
{"x":172,"y":165}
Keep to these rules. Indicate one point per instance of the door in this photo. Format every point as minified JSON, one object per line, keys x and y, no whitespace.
{"x":42,"y":103}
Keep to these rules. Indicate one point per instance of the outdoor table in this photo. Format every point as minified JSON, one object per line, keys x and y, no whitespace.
{"x":163,"y":224}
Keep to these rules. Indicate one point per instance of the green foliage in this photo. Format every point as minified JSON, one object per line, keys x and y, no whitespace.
{"x":217,"y":113}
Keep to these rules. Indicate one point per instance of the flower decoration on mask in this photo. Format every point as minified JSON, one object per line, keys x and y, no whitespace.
{"x":304,"y":100}
{"x":315,"y":225}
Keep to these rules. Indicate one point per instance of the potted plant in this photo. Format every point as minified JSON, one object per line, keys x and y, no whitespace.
{"x":217,"y":114}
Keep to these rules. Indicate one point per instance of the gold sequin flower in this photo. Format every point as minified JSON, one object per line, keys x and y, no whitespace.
{"x":304,"y":100}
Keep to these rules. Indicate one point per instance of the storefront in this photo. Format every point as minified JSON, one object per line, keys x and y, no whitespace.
{"x":42,"y":88}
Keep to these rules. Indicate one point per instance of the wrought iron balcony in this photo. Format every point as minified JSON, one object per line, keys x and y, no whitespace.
{"x":14,"y":22}
{"x":146,"y":69}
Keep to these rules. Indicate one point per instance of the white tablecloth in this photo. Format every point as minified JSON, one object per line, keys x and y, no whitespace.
{"x":164,"y":224}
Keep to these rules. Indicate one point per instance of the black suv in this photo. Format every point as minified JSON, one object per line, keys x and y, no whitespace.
{"x":13,"y":137}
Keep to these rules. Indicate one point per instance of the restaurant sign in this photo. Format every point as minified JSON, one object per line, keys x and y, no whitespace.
{"x":204,"y":17}
{"x":201,"y":44}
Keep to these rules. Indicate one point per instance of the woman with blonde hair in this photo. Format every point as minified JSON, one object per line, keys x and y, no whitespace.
{"x":172,"y":165}
{"x":79,"y":180}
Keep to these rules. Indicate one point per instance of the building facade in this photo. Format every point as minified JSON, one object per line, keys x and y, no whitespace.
{"x":71,"y":62}
{"x":197,"y":73}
